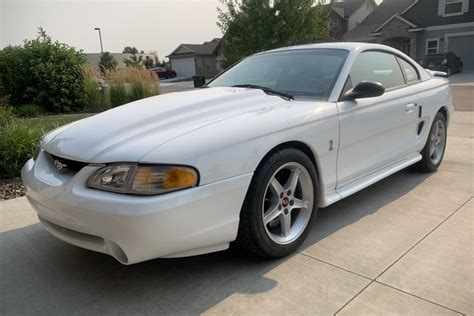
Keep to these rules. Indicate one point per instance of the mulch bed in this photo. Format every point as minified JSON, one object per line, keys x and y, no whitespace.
{"x":11,"y":188}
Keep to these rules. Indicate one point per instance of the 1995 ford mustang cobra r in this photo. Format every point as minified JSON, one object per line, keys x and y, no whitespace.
{"x":248,"y":159}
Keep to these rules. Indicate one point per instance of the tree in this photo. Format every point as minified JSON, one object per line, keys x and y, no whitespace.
{"x":134,"y":61}
{"x":148,"y":62}
{"x":107,"y":61}
{"x":130,"y":50}
{"x":251,"y":26}
{"x":43,"y":36}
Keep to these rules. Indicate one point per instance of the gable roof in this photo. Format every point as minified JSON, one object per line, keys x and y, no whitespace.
{"x":385,"y":11}
{"x":206,"y":48}
{"x":350,"y":6}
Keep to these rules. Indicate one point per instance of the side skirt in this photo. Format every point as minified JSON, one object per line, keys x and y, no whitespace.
{"x":360,"y":184}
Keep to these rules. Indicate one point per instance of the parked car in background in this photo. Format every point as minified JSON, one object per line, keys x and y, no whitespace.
{"x":247,"y":160}
{"x":164,"y":73}
{"x":447,"y":62}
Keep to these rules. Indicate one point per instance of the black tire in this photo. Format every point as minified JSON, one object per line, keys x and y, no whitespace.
{"x":173,"y":74}
{"x":426,"y":163}
{"x":252,"y":236}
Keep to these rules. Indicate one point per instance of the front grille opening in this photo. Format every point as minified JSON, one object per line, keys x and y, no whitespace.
{"x":63,"y":164}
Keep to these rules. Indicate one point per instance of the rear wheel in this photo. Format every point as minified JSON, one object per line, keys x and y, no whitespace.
{"x":433,"y":152}
{"x":280,"y":205}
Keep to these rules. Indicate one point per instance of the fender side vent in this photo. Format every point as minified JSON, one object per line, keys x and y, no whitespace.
{"x":420,"y":127}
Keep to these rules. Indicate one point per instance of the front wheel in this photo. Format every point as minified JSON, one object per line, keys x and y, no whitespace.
{"x":433,"y":152}
{"x":279,"y":207}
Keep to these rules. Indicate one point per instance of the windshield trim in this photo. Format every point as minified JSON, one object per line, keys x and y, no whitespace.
{"x":295,"y":93}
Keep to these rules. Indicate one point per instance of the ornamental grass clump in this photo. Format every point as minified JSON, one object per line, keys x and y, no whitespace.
{"x":131,"y":84}
{"x":93,"y":89}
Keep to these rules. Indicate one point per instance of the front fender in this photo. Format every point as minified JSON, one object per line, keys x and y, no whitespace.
{"x":237,"y":145}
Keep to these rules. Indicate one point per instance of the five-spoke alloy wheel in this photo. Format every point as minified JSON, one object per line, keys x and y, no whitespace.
{"x":280,"y":204}
{"x":288,"y":203}
{"x":433,"y":152}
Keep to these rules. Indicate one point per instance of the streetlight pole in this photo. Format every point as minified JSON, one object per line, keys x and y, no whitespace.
{"x":100,"y":38}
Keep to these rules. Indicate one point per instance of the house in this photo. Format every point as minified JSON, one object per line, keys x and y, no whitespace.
{"x":197,"y":59}
{"x":420,"y":27}
{"x":94,"y":58}
{"x":347,"y":14}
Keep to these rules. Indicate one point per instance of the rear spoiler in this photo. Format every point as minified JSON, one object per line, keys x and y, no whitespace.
{"x":436,"y":73}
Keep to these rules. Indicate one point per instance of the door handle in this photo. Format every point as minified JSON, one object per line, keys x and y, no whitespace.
{"x":410,"y":107}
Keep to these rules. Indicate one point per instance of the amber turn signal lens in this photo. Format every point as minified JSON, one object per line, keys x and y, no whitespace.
{"x":178,"y":177}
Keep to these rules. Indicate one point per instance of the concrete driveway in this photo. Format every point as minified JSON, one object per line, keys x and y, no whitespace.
{"x":403,"y":246}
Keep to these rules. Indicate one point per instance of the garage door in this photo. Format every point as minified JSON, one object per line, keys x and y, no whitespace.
{"x":183,"y":67}
{"x":462,"y":46}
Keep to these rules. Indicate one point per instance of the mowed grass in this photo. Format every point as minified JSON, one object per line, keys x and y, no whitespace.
{"x":47,"y":123}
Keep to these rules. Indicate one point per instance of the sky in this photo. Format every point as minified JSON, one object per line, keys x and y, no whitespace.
{"x":158,"y":25}
{"x":149,"y":25}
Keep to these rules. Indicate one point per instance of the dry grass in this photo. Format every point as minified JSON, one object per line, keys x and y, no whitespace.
{"x":130,"y":84}
{"x":135,"y":75}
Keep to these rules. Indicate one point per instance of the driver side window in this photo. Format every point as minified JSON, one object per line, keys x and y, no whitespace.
{"x":375,"y":66}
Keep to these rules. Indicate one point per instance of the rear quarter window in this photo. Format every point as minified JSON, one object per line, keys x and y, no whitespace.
{"x":410,"y":72}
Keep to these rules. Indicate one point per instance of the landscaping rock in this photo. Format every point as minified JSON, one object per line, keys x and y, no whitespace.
{"x":11,"y":188}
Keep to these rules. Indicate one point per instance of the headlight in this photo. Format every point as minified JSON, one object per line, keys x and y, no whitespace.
{"x":143,"y":179}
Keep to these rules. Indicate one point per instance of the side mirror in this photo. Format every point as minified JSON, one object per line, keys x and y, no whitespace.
{"x":364,"y":89}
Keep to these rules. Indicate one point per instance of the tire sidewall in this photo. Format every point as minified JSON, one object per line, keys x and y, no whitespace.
{"x":257,"y":193}
{"x":426,"y":151}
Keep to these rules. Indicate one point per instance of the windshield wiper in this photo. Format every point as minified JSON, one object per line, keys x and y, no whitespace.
{"x":266,"y":89}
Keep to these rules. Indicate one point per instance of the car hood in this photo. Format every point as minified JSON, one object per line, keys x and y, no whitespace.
{"x":128,"y":132}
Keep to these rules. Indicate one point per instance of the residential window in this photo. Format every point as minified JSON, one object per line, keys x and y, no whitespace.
{"x":432,"y":46}
{"x":452,"y":7}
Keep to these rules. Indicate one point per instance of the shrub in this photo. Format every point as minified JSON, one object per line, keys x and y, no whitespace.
{"x":93,"y":91}
{"x":28,"y":110}
{"x":45,"y":74}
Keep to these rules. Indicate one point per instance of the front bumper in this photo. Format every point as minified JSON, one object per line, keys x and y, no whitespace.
{"x":134,"y":228}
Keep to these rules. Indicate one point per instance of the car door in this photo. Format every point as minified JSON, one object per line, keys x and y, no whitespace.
{"x":379,"y":131}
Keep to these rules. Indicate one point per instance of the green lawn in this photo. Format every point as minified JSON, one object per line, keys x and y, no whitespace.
{"x":48,"y":123}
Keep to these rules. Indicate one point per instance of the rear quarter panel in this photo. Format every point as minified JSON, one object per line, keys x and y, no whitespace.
{"x":434,"y":94}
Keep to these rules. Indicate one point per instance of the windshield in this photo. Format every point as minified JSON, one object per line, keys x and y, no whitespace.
{"x":309,"y":72}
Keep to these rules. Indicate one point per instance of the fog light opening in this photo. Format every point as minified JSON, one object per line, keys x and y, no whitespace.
{"x":118,"y":253}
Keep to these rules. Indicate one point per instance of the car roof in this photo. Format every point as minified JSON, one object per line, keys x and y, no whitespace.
{"x":350,"y":46}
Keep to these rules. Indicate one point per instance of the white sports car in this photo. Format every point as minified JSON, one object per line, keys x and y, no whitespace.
{"x":247,"y":159}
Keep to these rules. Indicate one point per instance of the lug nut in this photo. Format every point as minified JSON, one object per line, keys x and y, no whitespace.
{"x":286,"y":211}
{"x":289,"y":192}
{"x":279,"y":206}
{"x":292,"y":202}
{"x":281,"y":195}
